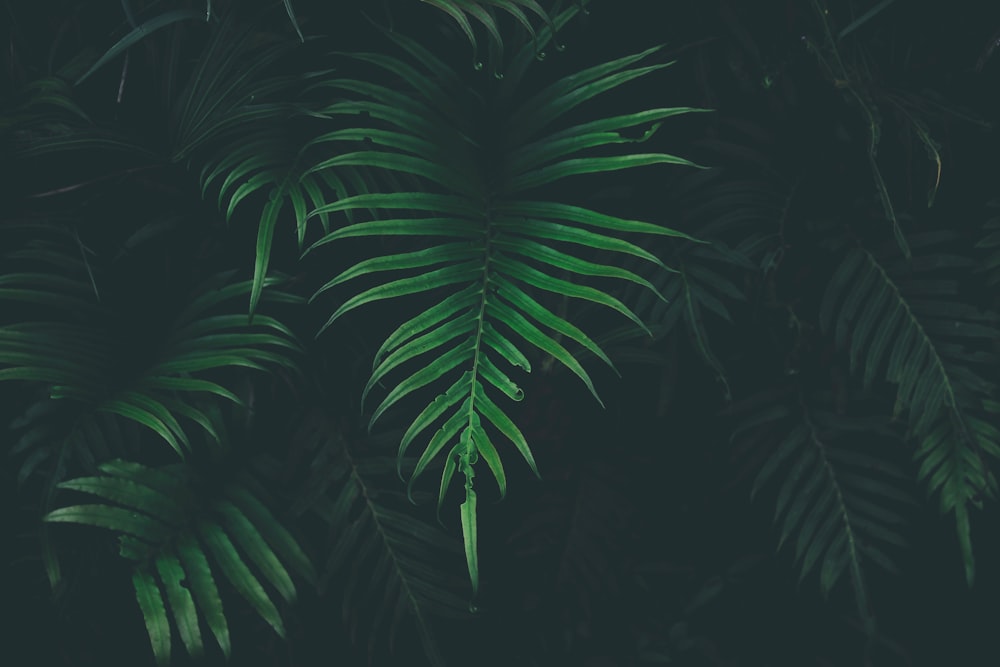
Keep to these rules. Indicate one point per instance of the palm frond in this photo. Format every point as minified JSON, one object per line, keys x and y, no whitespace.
{"x":63,"y":340}
{"x":236,"y":118}
{"x":138,"y":33}
{"x":62,"y":347}
{"x":705,"y":281}
{"x":234,"y":84}
{"x":45,"y":101}
{"x":468,"y":13}
{"x":77,"y":361}
{"x":745,"y":200}
{"x":740,"y":208}
{"x":907,"y":323}
{"x":406,"y":561}
{"x":182,"y":543}
{"x":505,"y":249}
{"x":839,"y":499}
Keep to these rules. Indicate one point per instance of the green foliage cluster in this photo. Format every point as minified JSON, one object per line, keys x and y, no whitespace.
{"x":185,"y":375}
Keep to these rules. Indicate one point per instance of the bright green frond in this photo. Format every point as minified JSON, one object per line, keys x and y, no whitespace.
{"x":489,"y":284}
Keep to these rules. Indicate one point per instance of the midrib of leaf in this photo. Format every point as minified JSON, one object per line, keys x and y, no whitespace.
{"x":925,"y":340}
{"x":954,"y":457}
{"x":861,"y":595}
{"x":480,"y":320}
{"x":401,"y":574}
{"x":471,"y":541}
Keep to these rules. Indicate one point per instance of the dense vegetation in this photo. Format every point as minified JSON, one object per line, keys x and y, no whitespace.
{"x":495,"y":332}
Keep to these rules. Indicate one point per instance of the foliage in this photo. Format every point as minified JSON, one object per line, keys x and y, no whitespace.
{"x":838,"y":496}
{"x":170,"y":532}
{"x":265,"y":267}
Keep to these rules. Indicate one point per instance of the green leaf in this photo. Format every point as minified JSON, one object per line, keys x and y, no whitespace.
{"x":557,"y":232}
{"x":112,"y":518}
{"x":451,"y":427}
{"x":421,"y":283}
{"x":276,"y":534}
{"x":139,"y":414}
{"x":447,"y":253}
{"x":489,"y":453}
{"x":154,"y":613}
{"x":181,"y":603}
{"x":137,"y":34}
{"x":470,"y":533}
{"x":424,"y":376}
{"x":593,"y":165}
{"x":551,"y":256}
{"x":246,"y":535}
{"x":505,"y":425}
{"x":525,"y":304}
{"x":201,"y":583}
{"x":428,"y":318}
{"x":455,"y":393}
{"x":130,"y":493}
{"x":499,"y":379}
{"x":433,"y":339}
{"x":239,"y":575}
{"x":536,"y":337}
{"x":291,"y":17}
{"x":505,"y":348}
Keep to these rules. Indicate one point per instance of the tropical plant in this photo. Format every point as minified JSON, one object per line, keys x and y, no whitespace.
{"x":266,"y":266}
{"x":934,"y":361}
{"x":839,"y":497}
{"x":499,"y":241}
{"x":170,"y":532}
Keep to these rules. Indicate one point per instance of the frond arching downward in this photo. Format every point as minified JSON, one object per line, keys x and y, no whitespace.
{"x":837,"y":499}
{"x":378,"y":550}
{"x":502,"y":252}
{"x":905,"y":322}
{"x":241,"y":134}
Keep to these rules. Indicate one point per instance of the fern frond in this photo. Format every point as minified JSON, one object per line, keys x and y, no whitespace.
{"x":405,"y":561}
{"x":65,"y":342}
{"x":905,"y":322}
{"x":137,"y":34}
{"x":62,"y":346}
{"x":483,"y":12}
{"x":180,"y":542}
{"x":704,"y":281}
{"x":43,"y":104}
{"x":837,"y":499}
{"x":233,"y":118}
{"x":505,"y":251}
{"x":740,"y":208}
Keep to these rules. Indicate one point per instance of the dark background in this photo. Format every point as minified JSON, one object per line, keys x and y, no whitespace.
{"x":641,"y":540}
